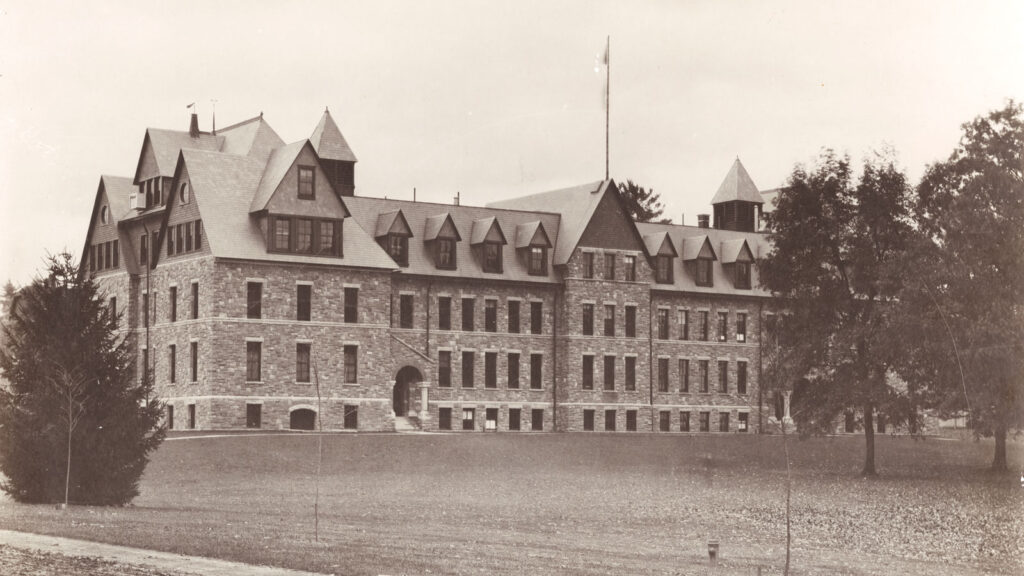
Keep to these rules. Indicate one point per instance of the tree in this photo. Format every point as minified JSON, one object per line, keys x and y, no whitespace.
{"x":71,"y":391}
{"x":836,"y":264}
{"x":971,"y":208}
{"x":642,"y":204}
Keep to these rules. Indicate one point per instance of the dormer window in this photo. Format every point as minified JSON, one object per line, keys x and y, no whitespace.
{"x":303,"y":236}
{"x":663,"y":269}
{"x":538,"y":263}
{"x":282,"y":234}
{"x":532,"y":245}
{"x":398,"y":249}
{"x":743,"y":275}
{"x":704,"y":272}
{"x":307,"y":183}
{"x":492,"y":257}
{"x":445,"y":253}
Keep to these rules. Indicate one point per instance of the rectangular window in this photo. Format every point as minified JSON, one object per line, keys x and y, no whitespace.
{"x":170,"y":244}
{"x":254,"y":300}
{"x":282,"y":234}
{"x":253,"y":415}
{"x":351,"y":364}
{"x":609,"y":372}
{"x":304,"y":236}
{"x":588,"y":372}
{"x":180,"y":244}
{"x":629,"y":268}
{"x":191,"y":416}
{"x":630,"y":420}
{"x":609,"y":320}
{"x":172,"y":363}
{"x":490,"y":315}
{"x":351,"y":421}
{"x":467,"y":314}
{"x":444,"y":418}
{"x":304,"y":298}
{"x":351,"y":305}
{"x":491,"y":419}
{"x":703,"y":327}
{"x":684,"y":375}
{"x":705,"y":421}
{"x":588,"y":264}
{"x":468,"y":415}
{"x":743,"y":275}
{"x":444,"y":313}
{"x":684,"y":421}
{"x":588,"y":319}
{"x":307,"y":180}
{"x":302,"y":351}
{"x":117,"y":254}
{"x":723,"y":326}
{"x":492,"y":257}
{"x":741,"y":327}
{"x":398,"y":249}
{"x":631,"y":321}
{"x":405,"y":311}
{"x":514,"y":418}
{"x":446,"y":253}
{"x":609,"y":266}
{"x":609,"y":420}
{"x":741,"y":377}
{"x":154,"y":247}
{"x":704,"y":272}
{"x":490,"y":369}
{"x":631,"y":373}
{"x":663,"y":324}
{"x":144,"y":249}
{"x":588,"y":420}
{"x":145,"y":310}
{"x":172,"y":304}
{"x":664,"y":421}
{"x":538,"y":265}
{"x":723,"y":376}
{"x":199,"y":233}
{"x":663,"y":269}
{"x":195,"y":300}
{"x":108,"y":260}
{"x":513,"y":316}
{"x":702,"y":375}
{"x":743,"y":419}
{"x":467,"y":369}
{"x":684,"y":324}
{"x":536,"y":317}
{"x":325,"y":243}
{"x":537,"y":419}
{"x":723,"y":421}
{"x":444,"y":369}
{"x":188,"y":236}
{"x":193,"y":352}
{"x":253,"y":361}
{"x":536,"y":371}
{"x":662,"y":374}
{"x":513,"y":370}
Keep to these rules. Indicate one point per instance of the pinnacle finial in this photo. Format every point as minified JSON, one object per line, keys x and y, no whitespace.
{"x":327,"y":110}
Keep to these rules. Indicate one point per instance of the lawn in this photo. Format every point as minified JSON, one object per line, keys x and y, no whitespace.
{"x":557,"y":503}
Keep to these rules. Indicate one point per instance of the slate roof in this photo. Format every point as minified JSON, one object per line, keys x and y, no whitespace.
{"x":386,"y":222}
{"x":731,"y":250}
{"x":525,"y":234}
{"x":118,"y":188}
{"x":328,"y":141}
{"x":482,"y":228}
{"x":654,"y":243}
{"x":693,"y":245}
{"x":433,"y":225}
{"x":252,"y":137}
{"x":737,"y":186}
{"x":276,"y":168}
{"x":167,"y":143}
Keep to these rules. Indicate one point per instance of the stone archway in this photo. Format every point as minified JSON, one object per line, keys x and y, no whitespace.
{"x":406,"y":380}
{"x":302,"y":419}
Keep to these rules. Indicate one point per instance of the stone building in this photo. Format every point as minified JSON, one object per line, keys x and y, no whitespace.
{"x":260,"y":292}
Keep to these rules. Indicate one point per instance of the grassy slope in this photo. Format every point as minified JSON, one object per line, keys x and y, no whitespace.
{"x":607,"y":504}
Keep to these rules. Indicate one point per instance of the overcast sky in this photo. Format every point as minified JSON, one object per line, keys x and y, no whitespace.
{"x":490,"y":99}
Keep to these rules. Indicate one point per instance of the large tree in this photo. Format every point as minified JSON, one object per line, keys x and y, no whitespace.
{"x":835,"y":263}
{"x":971,"y":289}
{"x":643,"y":204}
{"x":74,"y":423}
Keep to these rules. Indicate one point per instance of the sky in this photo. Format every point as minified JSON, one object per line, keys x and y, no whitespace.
{"x":490,"y":100}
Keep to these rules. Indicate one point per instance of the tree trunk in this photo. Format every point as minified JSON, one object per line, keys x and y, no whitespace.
{"x":869,"y":438}
{"x":999,"y":460}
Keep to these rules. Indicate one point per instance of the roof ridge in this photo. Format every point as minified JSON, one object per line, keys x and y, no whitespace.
{"x":242,"y":123}
{"x":455,"y":205}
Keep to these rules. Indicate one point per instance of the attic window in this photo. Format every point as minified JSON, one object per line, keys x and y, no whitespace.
{"x":704,"y":272}
{"x":445,"y":253}
{"x":663,"y":269}
{"x":492,"y":257}
{"x":307,"y":182}
{"x":104,"y":215}
{"x":538,"y":263}
{"x":398,"y":249}
{"x":743,"y":275}
{"x":183,"y":193}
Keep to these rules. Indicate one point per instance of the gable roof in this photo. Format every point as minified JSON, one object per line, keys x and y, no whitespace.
{"x":280,"y":160}
{"x":116,"y":190}
{"x":736,"y":250}
{"x":392,"y":222}
{"x":167,"y":143}
{"x":737,"y":186}
{"x":657,"y":242}
{"x":486,"y":230}
{"x":253,"y":137}
{"x":328,"y":141}
{"x":527,"y":233}
{"x":433,"y":225}
{"x":694,"y":247}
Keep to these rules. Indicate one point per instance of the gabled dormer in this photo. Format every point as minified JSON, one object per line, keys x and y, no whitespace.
{"x":487,"y":240}
{"x":662,"y":254}
{"x":532,"y":244}
{"x":737,"y":259}
{"x":392,"y":233}
{"x":441,"y":237}
{"x":698,"y":259}
{"x":335,"y":155}
{"x":158,"y":159}
{"x":737,"y":203}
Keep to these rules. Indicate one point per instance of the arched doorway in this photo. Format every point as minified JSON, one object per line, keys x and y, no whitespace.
{"x":406,"y":379}
{"x":302,"y":419}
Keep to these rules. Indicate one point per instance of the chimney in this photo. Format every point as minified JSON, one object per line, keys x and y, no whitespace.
{"x":702,"y":220}
{"x":193,"y":128}
{"x":682,"y":219}
{"x":457,"y":194}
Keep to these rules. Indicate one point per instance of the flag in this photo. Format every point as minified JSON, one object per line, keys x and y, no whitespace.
{"x":190,"y":105}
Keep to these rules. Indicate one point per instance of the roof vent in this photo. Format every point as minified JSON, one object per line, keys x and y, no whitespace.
{"x":193,"y":128}
{"x":703,"y":220}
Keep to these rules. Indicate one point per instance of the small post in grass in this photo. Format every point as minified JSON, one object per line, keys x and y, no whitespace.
{"x":713,"y":551}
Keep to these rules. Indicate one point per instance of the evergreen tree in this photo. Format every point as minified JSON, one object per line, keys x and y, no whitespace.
{"x":66,"y":363}
{"x":642,"y":204}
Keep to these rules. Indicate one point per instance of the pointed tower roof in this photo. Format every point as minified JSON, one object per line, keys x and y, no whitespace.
{"x":328,"y":141}
{"x":737,"y":186}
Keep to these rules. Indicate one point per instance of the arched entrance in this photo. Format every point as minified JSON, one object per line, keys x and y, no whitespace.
{"x":406,"y":379}
{"x":302,"y":419}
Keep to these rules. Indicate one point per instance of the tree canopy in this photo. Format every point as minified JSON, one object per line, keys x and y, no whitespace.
{"x":642,"y":204}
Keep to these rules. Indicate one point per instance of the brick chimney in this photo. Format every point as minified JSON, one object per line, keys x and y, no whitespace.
{"x":703,"y":220}
{"x":193,"y":128}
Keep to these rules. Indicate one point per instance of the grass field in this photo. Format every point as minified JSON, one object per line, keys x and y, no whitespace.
{"x":555,"y":503}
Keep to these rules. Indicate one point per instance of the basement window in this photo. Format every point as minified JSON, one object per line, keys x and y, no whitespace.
{"x":467,"y":418}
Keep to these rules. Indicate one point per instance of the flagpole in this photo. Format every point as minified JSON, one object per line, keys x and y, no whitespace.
{"x":607,"y":99}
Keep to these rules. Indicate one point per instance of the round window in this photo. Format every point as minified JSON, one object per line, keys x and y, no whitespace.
{"x":183,"y":193}
{"x":104,"y":215}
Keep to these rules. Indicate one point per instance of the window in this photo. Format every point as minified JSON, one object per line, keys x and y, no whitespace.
{"x":467,"y":369}
{"x":702,"y":375}
{"x":351,"y":366}
{"x":104,"y":215}
{"x":199,"y":234}
{"x":684,"y":421}
{"x":112,"y":309}
{"x":588,"y":420}
{"x":513,"y":316}
{"x":741,"y":377}
{"x":445,"y":253}
{"x":609,"y":372}
{"x":193,"y":352}
{"x":537,"y":419}
{"x":170,"y":417}
{"x":609,"y":320}
{"x":405,"y":311}
{"x":513,"y":370}
{"x":351,"y":421}
{"x":704,"y":272}
{"x":629,"y":268}
{"x":538,"y":265}
{"x":144,"y":249}
{"x":467,"y":418}
{"x":631,"y":321}
{"x":491,"y":419}
{"x":492,"y":257}
{"x":588,"y":319}
{"x":705,"y":421}
{"x":302,"y":351}
{"x":536,"y":367}
{"x":307,"y":181}
{"x":398,"y":249}
{"x":188,"y":236}
{"x":172,"y":363}
{"x":253,"y":359}
{"x":444,"y":418}
{"x":117,"y":253}
{"x":609,"y":420}
{"x":588,"y":264}
{"x":703,"y":326}
{"x":723,"y":326}
{"x":588,"y":372}
{"x":743,"y":275}
{"x":684,"y":324}
{"x":299,"y":235}
{"x":684,"y":375}
{"x":536,"y":317}
{"x":183,"y":193}
{"x":304,"y":236}
{"x":663,"y":269}
{"x":327,"y":243}
{"x":282,"y":234}
{"x":145,"y":310}
{"x":490,"y":369}
{"x":170,"y":243}
{"x":662,"y":374}
{"x":630,"y":420}
{"x":172,"y":304}
{"x":108,"y":260}
{"x":444,"y":313}
{"x":663,"y":323}
{"x":303,"y":297}
{"x":253,"y":415}
{"x":180,"y":228}
{"x":514,"y":418}
{"x":741,"y":327}
{"x":609,"y":266}
{"x":664,"y":421}
{"x":723,"y":376}
{"x":254,"y":300}
{"x":490,"y":315}
{"x":195,"y":300}
{"x":630,"y":373}
{"x":723,"y":421}
{"x":742,"y":421}
{"x":351,"y":305}
{"x":191,"y":416}
{"x":467,"y":314}
{"x":444,"y":369}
